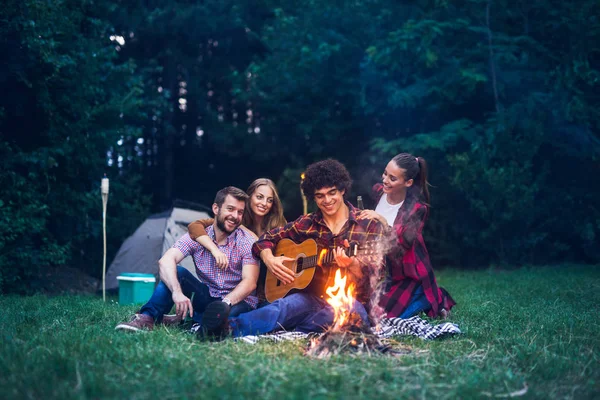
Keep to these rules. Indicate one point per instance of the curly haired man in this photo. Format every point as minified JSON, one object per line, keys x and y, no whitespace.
{"x":333,"y":226}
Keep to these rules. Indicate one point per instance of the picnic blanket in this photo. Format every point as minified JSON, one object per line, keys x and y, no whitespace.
{"x":388,"y":327}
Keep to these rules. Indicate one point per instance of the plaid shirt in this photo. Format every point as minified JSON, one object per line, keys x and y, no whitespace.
{"x":238,"y":250}
{"x":312,"y":226}
{"x":408,"y":262}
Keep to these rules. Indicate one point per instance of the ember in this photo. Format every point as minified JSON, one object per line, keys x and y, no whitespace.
{"x":348,"y":332}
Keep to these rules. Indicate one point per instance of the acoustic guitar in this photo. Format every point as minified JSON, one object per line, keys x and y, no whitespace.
{"x":306,"y":257}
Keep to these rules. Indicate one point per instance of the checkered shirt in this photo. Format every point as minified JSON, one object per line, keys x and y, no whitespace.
{"x":312,"y":226}
{"x":238,"y":250}
{"x":409,"y":265}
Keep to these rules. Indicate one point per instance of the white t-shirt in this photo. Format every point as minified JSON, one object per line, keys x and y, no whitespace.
{"x":389,"y":211}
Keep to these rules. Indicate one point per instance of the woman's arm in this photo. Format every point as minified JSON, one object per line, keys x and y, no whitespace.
{"x":197,"y":231}
{"x":376,"y":193}
{"x":371,"y":214}
{"x":198,"y":227}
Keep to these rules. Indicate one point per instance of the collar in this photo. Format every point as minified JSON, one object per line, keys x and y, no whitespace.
{"x":318,"y":215}
{"x":210,"y":231}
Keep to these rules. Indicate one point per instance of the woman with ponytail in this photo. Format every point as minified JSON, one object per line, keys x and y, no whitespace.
{"x":403,"y":205}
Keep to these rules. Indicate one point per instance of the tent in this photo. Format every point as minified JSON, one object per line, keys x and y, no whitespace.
{"x":141,"y":251}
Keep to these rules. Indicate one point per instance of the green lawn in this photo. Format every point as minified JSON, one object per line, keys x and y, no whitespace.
{"x":533,"y":330}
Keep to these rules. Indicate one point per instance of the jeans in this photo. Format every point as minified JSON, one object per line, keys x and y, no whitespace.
{"x":305,"y":312}
{"x":418,"y":303}
{"x":161,"y":301}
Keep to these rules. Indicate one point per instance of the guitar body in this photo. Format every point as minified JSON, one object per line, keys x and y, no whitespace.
{"x":274,"y":288}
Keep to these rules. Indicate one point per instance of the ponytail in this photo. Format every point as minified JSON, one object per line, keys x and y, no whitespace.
{"x":422,"y":179}
{"x":416,"y":169}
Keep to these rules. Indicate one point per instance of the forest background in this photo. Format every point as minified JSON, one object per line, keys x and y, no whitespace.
{"x":174,"y":100}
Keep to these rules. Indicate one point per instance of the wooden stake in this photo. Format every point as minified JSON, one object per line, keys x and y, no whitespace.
{"x":104,"y":190}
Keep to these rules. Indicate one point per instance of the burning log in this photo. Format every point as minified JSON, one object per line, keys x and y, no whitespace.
{"x":348,"y":332}
{"x":353,"y":337}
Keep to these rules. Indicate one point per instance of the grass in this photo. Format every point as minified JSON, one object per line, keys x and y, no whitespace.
{"x":531,"y":332}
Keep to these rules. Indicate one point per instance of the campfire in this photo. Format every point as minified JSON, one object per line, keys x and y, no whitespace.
{"x":340,"y":300}
{"x":348,"y":333}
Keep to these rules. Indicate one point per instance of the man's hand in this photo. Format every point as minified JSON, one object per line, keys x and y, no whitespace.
{"x":182,"y":305}
{"x":340,"y":256}
{"x":275,"y":265}
{"x":220,"y":258}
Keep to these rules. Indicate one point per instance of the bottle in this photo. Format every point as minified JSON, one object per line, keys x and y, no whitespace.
{"x":359,"y":203}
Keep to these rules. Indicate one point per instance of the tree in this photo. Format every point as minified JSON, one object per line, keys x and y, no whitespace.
{"x":492,"y":86}
{"x":187,"y":55}
{"x":63,"y":94}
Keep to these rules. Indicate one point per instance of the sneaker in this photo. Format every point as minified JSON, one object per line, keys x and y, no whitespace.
{"x":138,"y":322}
{"x":214,"y":319}
{"x":171,"y":320}
{"x":196,"y":329}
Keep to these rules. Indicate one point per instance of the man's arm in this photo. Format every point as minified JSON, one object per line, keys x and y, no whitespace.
{"x":167,"y":267}
{"x":276,"y":266}
{"x":246,"y":285}
{"x":350,"y":263}
{"x":263,"y":248}
{"x":362,"y":268}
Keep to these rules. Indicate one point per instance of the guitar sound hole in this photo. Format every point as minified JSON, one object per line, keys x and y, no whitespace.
{"x":300,"y":261}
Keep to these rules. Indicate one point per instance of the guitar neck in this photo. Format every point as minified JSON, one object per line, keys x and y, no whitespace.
{"x":313,"y":261}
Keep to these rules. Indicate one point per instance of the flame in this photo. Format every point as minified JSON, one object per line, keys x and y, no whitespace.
{"x":302,"y":176}
{"x":321,"y":256}
{"x":340,"y":300}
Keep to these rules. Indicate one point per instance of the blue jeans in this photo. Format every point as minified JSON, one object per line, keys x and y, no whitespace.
{"x":305,"y":312}
{"x":418,"y":303}
{"x":161,"y":301}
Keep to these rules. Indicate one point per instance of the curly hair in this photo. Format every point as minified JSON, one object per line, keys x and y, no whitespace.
{"x":324,"y":174}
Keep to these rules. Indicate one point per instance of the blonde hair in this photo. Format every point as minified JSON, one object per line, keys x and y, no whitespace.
{"x":274,"y":218}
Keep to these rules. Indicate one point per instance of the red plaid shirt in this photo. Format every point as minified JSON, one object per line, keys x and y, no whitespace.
{"x":312,"y":226}
{"x":238,"y":250}
{"x":408,"y":262}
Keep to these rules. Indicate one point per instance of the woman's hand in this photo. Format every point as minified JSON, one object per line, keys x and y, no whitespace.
{"x":371,"y":214}
{"x":220,"y":257}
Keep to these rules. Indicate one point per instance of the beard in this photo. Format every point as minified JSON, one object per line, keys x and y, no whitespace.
{"x":221,"y":223}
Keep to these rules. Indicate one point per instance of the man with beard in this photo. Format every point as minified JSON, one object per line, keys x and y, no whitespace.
{"x":233,"y":285}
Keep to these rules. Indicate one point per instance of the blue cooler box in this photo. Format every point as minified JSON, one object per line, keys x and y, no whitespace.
{"x":135,"y":288}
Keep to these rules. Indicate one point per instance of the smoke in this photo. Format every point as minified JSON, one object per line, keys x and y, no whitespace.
{"x":377,"y":272}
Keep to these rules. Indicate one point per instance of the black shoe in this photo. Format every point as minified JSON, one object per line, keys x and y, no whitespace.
{"x":214,"y":319}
